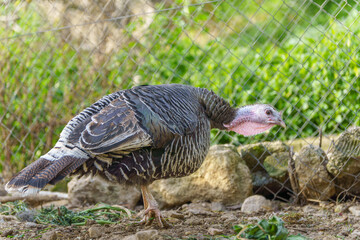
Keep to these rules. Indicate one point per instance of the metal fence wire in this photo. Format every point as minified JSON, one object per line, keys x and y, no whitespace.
{"x":302,"y":56}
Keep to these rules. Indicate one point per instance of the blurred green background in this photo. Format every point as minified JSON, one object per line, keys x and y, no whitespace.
{"x":301,"y":56}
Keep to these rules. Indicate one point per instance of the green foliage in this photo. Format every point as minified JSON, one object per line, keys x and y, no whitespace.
{"x":272,"y":229}
{"x":101,"y":214}
{"x":292,"y":55}
{"x":12,"y":208}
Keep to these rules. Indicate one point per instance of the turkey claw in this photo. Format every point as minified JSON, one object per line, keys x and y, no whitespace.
{"x":153,"y":213}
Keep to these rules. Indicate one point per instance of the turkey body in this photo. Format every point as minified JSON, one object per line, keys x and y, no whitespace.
{"x":146,"y":133}
{"x":133,"y":136}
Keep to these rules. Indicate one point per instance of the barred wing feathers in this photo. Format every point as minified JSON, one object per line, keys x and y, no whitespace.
{"x":114,"y":128}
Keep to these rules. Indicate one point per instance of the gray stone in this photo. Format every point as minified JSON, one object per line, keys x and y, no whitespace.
{"x":31,"y":225}
{"x":93,"y":189}
{"x":214,"y":231}
{"x":309,"y":209}
{"x":147,"y":234}
{"x":256,"y":203}
{"x":344,"y":161}
{"x":229,"y":216}
{"x":95,"y":232}
{"x":9,"y":218}
{"x":355,"y":234}
{"x":130,"y":237}
{"x":52,"y":235}
{"x":314,"y":180}
{"x":255,"y":154}
{"x":7,"y":232}
{"x":177,"y":215}
{"x":198,"y":209}
{"x":339,"y":208}
{"x":217,"y":207}
{"x":355,"y":210}
{"x":264,"y":184}
{"x":27,"y":216}
{"x":193,"y":221}
{"x":223,"y":177}
{"x":276,"y":165}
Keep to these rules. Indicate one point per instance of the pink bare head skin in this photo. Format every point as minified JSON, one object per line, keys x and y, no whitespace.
{"x":254,"y":119}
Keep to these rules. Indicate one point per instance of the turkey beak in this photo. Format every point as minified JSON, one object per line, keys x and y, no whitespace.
{"x":281,"y":123}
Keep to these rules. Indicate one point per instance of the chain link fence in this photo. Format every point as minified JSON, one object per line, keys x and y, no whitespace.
{"x":302,"y":56}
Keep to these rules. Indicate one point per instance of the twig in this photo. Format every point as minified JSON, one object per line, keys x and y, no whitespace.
{"x":35,"y":200}
{"x":238,"y":236}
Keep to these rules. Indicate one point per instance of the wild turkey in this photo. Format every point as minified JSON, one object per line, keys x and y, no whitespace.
{"x":140,"y":135}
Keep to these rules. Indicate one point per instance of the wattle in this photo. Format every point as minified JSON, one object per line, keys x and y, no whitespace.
{"x":251,"y":128}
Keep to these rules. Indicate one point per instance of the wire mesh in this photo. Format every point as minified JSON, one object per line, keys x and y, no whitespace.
{"x":301,"y":56}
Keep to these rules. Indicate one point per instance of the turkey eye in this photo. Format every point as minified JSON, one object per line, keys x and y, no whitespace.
{"x":268,"y":112}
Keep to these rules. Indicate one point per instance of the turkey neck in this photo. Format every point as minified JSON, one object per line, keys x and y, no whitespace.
{"x":216,"y":108}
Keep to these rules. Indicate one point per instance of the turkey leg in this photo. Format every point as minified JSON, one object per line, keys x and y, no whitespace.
{"x":151,"y":209}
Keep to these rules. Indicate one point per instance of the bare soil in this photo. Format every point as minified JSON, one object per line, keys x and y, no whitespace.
{"x":193,"y":221}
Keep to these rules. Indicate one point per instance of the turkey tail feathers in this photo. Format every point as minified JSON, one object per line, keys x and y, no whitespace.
{"x":41,"y":172}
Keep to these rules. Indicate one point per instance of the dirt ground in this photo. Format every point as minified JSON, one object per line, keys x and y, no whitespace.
{"x":198,"y":221}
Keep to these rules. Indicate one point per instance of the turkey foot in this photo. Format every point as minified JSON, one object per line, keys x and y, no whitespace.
{"x":151,"y":209}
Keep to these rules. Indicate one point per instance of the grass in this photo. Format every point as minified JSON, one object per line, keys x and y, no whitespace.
{"x":101,"y":214}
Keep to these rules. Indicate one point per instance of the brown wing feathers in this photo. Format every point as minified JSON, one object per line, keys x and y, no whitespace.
{"x":42,"y":172}
{"x":21,"y":179}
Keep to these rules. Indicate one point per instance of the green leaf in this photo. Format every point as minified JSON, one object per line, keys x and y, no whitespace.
{"x":271,"y":229}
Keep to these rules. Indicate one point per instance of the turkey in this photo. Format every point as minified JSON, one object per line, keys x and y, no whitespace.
{"x":139,"y":135}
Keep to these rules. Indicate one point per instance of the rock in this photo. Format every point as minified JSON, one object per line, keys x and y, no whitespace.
{"x":217,"y":207}
{"x":52,"y":235}
{"x":8,"y":218}
{"x":255,"y":154}
{"x":314,"y":181}
{"x":268,"y":164}
{"x":177,"y":215}
{"x":27,"y":216}
{"x":355,"y":234}
{"x":276,"y":165}
{"x":355,"y":210}
{"x":309,"y":209}
{"x":147,"y":234}
{"x":229,"y":218}
{"x":130,"y":237}
{"x":344,"y":161}
{"x":223,"y":177}
{"x":215,"y":231}
{"x":31,"y":225}
{"x":8,"y":232}
{"x":255,"y":204}
{"x":95,"y":232}
{"x":340,"y":208}
{"x":198,"y":209}
{"x":193,"y":221}
{"x":265,"y":185}
{"x":94,"y":189}
{"x":143,"y":235}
